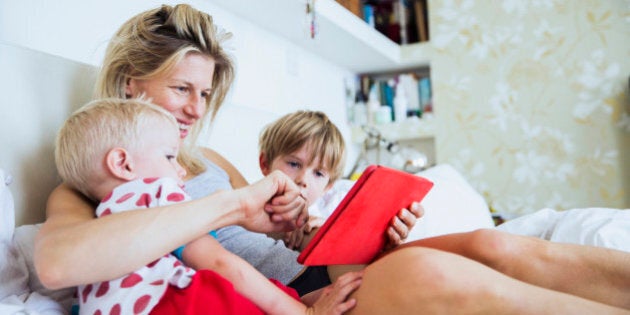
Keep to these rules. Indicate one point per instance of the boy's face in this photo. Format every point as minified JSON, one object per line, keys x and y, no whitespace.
{"x":312,"y":180}
{"x":157,"y":155}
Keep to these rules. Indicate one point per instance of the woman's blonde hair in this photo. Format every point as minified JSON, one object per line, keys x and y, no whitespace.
{"x":151,"y":43}
{"x":99,"y":126}
{"x":305,"y":128}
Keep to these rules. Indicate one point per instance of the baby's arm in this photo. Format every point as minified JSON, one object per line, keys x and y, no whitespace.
{"x":206,"y":253}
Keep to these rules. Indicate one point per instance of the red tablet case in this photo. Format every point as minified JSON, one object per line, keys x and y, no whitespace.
{"x":356,"y":231}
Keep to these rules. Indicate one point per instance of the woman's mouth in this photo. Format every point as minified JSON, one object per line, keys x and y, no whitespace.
{"x":183,"y":129}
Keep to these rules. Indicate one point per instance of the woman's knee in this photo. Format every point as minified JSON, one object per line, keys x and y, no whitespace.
{"x":416,"y":279}
{"x":497,"y":249}
{"x":431,"y":269}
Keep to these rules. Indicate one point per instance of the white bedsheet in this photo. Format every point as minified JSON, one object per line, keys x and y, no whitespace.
{"x":603,"y":227}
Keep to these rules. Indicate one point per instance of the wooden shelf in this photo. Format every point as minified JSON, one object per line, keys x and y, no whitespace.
{"x":342,"y":37}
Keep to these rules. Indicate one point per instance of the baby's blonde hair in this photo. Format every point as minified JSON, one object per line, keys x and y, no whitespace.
{"x":305,"y":128}
{"x":151,"y":43}
{"x":99,"y":126}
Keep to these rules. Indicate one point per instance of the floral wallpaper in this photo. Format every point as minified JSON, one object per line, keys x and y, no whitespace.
{"x":531,"y":100}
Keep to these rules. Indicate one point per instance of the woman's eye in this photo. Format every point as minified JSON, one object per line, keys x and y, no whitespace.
{"x":181,"y":89}
{"x":170,"y":157}
{"x":205,"y":95}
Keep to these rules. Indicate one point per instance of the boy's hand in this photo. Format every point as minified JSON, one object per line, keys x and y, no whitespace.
{"x":295,"y":239}
{"x":401,"y":225}
{"x":334,"y":298}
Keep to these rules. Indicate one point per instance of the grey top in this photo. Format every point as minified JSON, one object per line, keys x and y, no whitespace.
{"x":269,"y":256}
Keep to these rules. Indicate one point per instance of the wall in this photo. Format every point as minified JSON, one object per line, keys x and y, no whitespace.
{"x":273,"y":75}
{"x":532,"y":100}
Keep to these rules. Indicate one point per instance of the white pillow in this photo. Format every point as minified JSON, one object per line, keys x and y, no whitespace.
{"x":7,"y":211}
{"x":13,"y":271}
{"x":451,"y":206}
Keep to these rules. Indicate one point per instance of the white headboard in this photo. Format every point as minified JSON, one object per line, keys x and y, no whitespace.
{"x":38,"y":92}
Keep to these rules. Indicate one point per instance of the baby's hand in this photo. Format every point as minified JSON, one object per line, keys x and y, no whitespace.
{"x":334,"y":298}
{"x":401,"y":225}
{"x":295,"y":239}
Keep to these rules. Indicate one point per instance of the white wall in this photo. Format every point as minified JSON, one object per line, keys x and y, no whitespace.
{"x":273,"y":75}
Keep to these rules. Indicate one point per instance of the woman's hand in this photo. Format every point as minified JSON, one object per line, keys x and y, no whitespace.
{"x":401,"y":225}
{"x":273,"y":204}
{"x":334,"y":298}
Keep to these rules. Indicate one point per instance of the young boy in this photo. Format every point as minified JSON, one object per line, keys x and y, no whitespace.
{"x":310,"y":149}
{"x":123,"y":152}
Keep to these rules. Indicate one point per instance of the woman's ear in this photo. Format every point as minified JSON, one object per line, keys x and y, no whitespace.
{"x":120,"y":164}
{"x":264,"y":165}
{"x":129,"y":87}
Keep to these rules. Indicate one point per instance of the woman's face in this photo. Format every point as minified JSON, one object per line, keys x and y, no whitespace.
{"x":183,"y":92}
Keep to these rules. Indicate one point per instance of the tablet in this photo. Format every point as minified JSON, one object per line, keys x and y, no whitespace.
{"x":355,"y":232}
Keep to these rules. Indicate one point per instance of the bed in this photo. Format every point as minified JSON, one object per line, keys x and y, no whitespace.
{"x":40,"y":91}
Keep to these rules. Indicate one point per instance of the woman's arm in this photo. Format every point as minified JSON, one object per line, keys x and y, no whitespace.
{"x":73,"y":247}
{"x":238,"y":181}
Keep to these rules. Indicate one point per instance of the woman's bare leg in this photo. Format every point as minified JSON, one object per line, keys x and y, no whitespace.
{"x":418,"y":280}
{"x":594,"y":273}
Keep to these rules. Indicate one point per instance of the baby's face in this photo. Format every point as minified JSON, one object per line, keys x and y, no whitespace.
{"x":157,"y":155}
{"x":312,"y":180}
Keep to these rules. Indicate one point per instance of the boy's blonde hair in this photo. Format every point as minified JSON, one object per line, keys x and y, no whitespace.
{"x":151,"y":43}
{"x":99,"y":126}
{"x":306,"y":128}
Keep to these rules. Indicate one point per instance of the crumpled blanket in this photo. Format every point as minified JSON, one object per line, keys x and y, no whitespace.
{"x":30,"y":303}
{"x":603,"y":227}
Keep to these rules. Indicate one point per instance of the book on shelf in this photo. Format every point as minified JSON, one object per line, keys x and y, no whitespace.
{"x":421,"y":20}
{"x":402,"y":21}
{"x":353,"y":6}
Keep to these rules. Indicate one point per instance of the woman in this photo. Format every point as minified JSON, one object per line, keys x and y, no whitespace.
{"x":174,"y":57}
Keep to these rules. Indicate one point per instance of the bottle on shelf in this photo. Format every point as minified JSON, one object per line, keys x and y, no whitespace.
{"x":360,"y":112}
{"x":400,"y":103}
{"x":373,"y":105}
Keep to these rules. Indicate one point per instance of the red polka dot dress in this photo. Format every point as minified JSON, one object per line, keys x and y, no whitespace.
{"x":140,"y":291}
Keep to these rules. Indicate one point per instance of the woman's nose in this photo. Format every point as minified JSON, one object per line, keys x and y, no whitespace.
{"x":196,"y":106}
